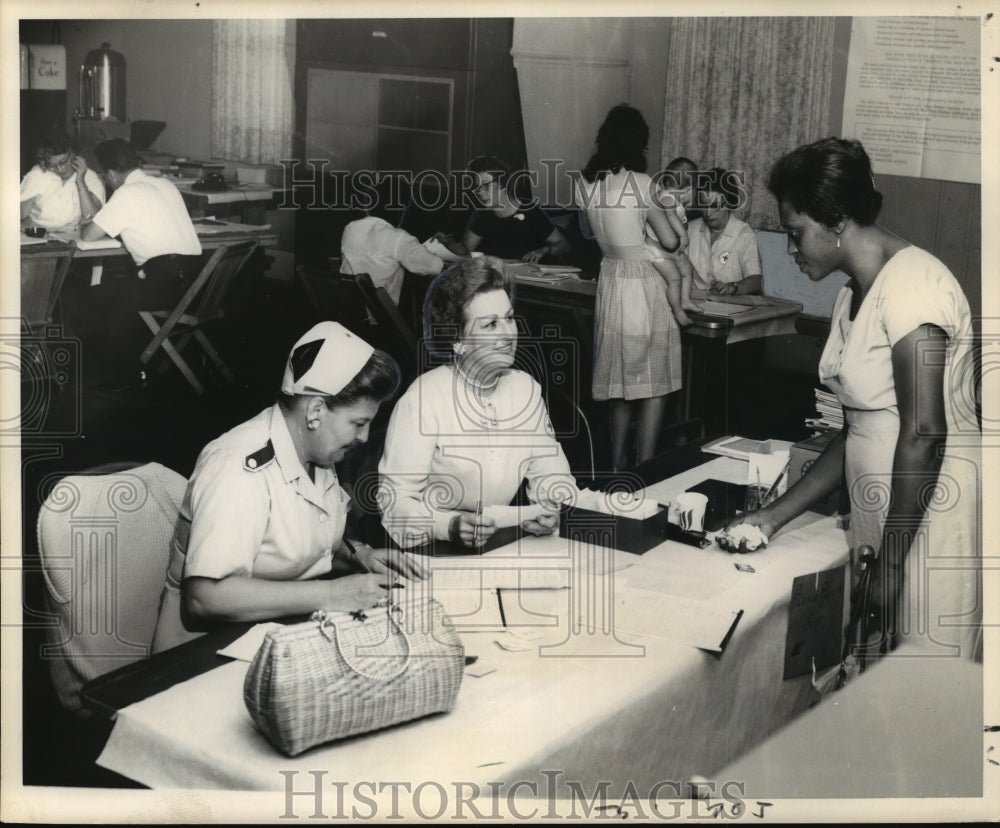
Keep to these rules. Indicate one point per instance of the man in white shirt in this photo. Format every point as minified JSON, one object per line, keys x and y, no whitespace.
{"x":60,"y":190}
{"x":149,"y":215}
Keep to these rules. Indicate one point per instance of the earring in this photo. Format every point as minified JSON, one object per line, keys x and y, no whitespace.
{"x":838,"y":242}
{"x":312,"y":425}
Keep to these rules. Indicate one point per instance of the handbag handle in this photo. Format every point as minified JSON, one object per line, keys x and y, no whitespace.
{"x":857,"y":632}
{"x":325,"y":621}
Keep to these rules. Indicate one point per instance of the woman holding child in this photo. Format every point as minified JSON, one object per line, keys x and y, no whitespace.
{"x":637,"y":347}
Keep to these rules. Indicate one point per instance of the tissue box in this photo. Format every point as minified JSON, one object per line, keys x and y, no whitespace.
{"x":802,"y":455}
{"x":613,"y":531}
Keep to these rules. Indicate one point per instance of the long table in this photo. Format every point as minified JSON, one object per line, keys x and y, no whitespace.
{"x":570,"y":705}
{"x":209,"y":241}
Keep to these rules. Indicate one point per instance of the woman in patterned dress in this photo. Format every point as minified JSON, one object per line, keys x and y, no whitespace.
{"x":637,"y":347}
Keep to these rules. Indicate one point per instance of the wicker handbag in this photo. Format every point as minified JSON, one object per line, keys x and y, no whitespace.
{"x":345,"y":673}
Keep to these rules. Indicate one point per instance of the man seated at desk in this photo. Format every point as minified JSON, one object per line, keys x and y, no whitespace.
{"x":60,"y":189}
{"x":149,"y":215}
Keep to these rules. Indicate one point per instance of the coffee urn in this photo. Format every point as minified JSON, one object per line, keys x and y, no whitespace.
{"x":102,"y":85}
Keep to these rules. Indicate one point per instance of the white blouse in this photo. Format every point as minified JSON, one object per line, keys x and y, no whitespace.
{"x":447,"y":450}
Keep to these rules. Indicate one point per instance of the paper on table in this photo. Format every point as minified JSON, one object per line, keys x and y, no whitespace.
{"x":624,"y":504}
{"x":722,"y":308}
{"x":245,"y":647}
{"x":210,"y":226}
{"x":505,"y":516}
{"x":472,"y":610}
{"x":765,"y":468}
{"x":701,"y":624}
{"x":26,"y":240}
{"x":98,"y":244}
{"x":741,"y":447}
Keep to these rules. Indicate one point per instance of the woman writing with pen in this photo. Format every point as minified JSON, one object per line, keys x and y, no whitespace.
{"x":260,"y":533}
{"x":465,"y":435}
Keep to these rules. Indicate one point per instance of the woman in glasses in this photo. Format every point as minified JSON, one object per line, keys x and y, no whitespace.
{"x":503,"y":226}
{"x":465,"y":435}
{"x":60,"y":190}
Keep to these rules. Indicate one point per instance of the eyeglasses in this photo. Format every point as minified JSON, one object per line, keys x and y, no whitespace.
{"x":55,"y":164}
{"x":484,"y":185}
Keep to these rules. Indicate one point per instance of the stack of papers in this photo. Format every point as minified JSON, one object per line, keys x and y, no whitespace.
{"x":831,"y":412}
{"x":543,"y":274}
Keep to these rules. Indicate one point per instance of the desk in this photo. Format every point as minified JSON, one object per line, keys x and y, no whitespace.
{"x":647,"y":711}
{"x":250,"y":199}
{"x":209,"y":241}
{"x":97,"y":257}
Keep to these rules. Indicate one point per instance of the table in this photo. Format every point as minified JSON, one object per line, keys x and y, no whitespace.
{"x":590,"y":703}
{"x":209,"y":241}
{"x":250,"y":199}
{"x":99,"y":256}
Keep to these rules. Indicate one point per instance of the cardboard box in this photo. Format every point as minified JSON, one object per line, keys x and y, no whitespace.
{"x":802,"y":455}
{"x":614,"y":531}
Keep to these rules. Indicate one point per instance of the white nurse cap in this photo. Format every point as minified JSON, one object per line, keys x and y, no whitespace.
{"x":324,"y":360}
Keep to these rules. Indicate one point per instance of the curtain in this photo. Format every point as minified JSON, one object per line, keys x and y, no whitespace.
{"x":743,"y":91}
{"x":251,"y":91}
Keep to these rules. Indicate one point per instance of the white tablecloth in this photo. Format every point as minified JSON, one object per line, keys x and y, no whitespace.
{"x":607,"y":706}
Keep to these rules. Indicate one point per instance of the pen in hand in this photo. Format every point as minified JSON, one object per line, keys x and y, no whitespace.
{"x":479,"y":518}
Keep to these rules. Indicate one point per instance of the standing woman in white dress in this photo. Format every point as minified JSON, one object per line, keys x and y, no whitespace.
{"x":637,"y":345}
{"x":900,"y":359}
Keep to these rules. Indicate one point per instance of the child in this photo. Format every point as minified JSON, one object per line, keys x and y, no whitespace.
{"x":675,"y":268}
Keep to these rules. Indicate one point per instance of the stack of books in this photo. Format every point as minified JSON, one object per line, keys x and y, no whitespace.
{"x":830,"y":411}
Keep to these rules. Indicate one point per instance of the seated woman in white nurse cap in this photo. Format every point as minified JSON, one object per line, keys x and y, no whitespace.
{"x":465,"y":435}
{"x":260,"y":533}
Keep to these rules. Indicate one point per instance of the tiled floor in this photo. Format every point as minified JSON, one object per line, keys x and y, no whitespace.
{"x":78,"y":423}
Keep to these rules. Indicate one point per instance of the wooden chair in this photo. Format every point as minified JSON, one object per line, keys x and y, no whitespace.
{"x":201,"y":304}
{"x":42,"y":278}
{"x":398,"y":338}
{"x":104,"y":542}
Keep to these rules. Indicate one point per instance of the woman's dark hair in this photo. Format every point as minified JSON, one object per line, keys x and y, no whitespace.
{"x":717,"y":181}
{"x":117,"y":154}
{"x":500,"y":170}
{"x":828,"y":180}
{"x":450,"y":294}
{"x":377,"y":380}
{"x":621,"y":143}
{"x":55,"y":143}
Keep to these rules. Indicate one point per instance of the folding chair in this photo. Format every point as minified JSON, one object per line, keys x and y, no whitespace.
{"x":399,"y":339}
{"x":201,"y":304}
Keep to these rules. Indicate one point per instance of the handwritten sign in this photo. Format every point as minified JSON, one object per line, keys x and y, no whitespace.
{"x":815,"y":622}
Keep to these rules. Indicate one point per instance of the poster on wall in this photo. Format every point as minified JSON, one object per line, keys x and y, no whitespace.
{"x":913,"y":95}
